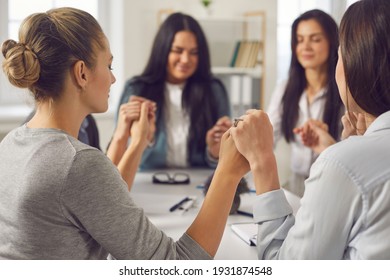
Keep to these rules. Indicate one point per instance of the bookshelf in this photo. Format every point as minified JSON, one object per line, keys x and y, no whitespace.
{"x":236,"y":44}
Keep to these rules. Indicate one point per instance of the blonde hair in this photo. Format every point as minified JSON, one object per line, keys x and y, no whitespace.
{"x":49,"y":44}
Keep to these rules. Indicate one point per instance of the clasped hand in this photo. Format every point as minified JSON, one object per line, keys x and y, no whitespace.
{"x":129,"y":119}
{"x":249,"y":146}
{"x":314,"y":133}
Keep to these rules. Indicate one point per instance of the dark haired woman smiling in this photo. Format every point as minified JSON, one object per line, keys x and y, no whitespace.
{"x":192,"y":105}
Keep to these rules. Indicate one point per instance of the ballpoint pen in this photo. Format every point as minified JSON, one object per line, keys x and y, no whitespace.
{"x":239,"y":212}
{"x":177,"y":205}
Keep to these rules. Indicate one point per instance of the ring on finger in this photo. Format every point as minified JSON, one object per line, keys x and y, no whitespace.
{"x":236,"y":121}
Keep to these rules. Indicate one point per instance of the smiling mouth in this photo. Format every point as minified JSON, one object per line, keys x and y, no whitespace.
{"x":307,"y":57}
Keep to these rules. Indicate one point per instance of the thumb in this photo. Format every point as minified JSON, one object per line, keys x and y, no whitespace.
{"x":360,"y":124}
{"x":317,"y":129}
{"x":144,"y":112}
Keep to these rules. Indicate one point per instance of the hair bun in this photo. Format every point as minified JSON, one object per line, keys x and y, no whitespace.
{"x":21,"y":64}
{"x":7,"y":45}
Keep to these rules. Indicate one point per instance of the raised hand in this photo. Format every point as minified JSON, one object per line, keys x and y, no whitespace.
{"x":253,"y":137}
{"x":230,"y":159}
{"x":140,"y":128}
{"x":354,"y":124}
{"x":129,"y":112}
{"x":314,"y":134}
{"x":214,"y":135}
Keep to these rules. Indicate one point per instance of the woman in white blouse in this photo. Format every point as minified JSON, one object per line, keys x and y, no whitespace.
{"x":193,"y":108}
{"x":345,"y":212}
{"x":310,"y":91}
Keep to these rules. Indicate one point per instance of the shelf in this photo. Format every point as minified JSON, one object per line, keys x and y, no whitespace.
{"x":253,"y":72}
{"x":237,"y":19}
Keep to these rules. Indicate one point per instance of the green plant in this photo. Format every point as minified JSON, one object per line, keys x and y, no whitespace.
{"x":206,"y":3}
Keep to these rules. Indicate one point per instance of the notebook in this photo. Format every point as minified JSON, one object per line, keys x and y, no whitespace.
{"x":246,"y":231}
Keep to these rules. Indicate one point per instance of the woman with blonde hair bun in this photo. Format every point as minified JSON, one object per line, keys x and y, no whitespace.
{"x":62,"y":199}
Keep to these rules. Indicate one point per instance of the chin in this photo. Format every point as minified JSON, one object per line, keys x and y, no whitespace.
{"x":101,"y":109}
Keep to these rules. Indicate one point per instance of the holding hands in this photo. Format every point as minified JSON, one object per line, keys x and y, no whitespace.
{"x":253,"y":137}
{"x":214,"y":135}
{"x":130,"y":112}
{"x":230,"y":158}
{"x":314,"y":133}
{"x":129,"y":115}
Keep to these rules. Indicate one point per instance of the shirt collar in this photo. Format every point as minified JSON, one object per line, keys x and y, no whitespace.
{"x":173,"y":86}
{"x":320,"y":94}
{"x":380,"y":123}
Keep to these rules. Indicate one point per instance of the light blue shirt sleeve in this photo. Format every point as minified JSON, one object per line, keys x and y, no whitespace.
{"x":322,"y":227}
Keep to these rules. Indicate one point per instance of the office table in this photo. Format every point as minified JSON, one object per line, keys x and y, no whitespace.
{"x":157,"y":199}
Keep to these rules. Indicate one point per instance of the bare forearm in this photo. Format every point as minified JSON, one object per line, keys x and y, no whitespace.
{"x":128,"y":165}
{"x":116,"y":149}
{"x":214,"y":212}
{"x":265,"y":174}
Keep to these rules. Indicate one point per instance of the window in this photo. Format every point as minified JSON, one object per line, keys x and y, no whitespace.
{"x":12,"y":14}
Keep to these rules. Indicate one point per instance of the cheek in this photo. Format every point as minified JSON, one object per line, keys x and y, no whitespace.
{"x":195,"y":62}
{"x":171,"y":62}
{"x":340,"y":80}
{"x":323,"y":51}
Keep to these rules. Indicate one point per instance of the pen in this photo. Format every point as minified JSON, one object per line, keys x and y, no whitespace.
{"x":177,"y":205}
{"x":244,"y":213}
{"x":202,"y":187}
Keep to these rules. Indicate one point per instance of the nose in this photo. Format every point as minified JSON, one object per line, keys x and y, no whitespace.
{"x":306,"y":44}
{"x":185,"y":57}
{"x":113,"y":79}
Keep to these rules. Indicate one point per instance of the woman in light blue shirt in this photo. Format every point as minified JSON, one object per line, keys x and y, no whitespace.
{"x":345,"y":211}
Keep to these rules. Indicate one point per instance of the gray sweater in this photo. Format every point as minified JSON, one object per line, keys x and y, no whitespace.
{"x":62,"y":199}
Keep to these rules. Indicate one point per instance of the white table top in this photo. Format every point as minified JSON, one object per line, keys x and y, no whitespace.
{"x":156,"y":199}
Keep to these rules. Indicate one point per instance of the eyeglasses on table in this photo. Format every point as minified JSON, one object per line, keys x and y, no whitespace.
{"x":166,"y":178}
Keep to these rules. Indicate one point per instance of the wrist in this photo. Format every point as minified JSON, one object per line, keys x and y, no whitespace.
{"x":120,"y":137}
{"x":138,"y":143}
{"x":211,"y":155}
{"x":265,"y":173}
{"x":227,"y":176}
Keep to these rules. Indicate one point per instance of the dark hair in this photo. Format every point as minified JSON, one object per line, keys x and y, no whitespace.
{"x":365,"y":50}
{"x":197,"y":98}
{"x":297,"y":81}
{"x":49,"y":43}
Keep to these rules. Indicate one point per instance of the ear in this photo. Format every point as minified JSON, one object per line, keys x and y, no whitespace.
{"x":80,"y":73}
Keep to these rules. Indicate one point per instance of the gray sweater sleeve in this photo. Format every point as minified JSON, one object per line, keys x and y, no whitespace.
{"x":95,"y":199}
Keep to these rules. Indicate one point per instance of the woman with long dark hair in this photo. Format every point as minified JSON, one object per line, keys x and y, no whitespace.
{"x":310,"y":91}
{"x":345,"y":211}
{"x":192,"y":105}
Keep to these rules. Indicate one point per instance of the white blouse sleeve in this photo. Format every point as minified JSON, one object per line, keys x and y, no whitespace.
{"x":274,"y":110}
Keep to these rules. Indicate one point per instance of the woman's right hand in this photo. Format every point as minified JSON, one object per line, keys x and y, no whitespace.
{"x":140,"y":128}
{"x":253,"y":137}
{"x":129,"y":112}
{"x":354,"y":124}
{"x":314,"y":134}
{"x":230,"y":159}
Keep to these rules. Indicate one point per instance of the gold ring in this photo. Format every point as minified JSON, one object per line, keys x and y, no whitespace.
{"x":236,"y":121}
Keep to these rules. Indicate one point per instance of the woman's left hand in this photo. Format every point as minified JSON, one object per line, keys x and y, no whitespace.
{"x":214,"y":135}
{"x":140,"y":129}
{"x":314,"y":134}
